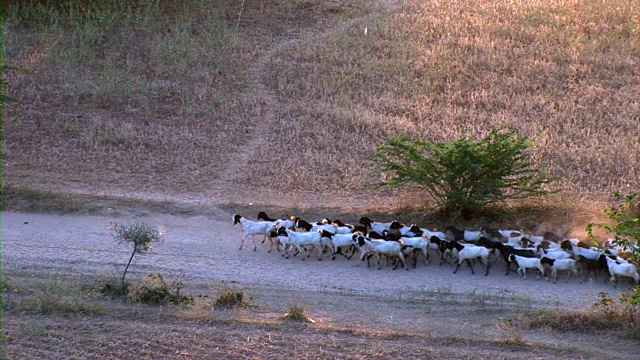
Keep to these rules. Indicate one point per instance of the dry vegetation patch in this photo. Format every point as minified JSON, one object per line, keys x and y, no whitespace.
{"x":152,"y":97}
{"x":559,"y":72}
{"x":131,"y":330}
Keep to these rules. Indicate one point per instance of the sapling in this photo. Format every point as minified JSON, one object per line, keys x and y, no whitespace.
{"x":140,"y":235}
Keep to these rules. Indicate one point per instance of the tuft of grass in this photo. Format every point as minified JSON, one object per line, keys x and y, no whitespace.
{"x":231,"y":297}
{"x":514,"y":329}
{"x":297,"y":312}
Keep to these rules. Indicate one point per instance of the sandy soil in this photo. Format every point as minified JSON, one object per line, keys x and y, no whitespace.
{"x":205,"y":249}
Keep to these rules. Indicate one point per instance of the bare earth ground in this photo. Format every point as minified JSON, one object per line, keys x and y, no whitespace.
{"x":445,"y":312}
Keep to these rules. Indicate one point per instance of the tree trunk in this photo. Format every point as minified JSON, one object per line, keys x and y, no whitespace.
{"x":127,"y":268}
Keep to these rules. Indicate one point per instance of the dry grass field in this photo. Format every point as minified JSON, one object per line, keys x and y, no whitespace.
{"x":287,"y":101}
{"x":198,"y":109}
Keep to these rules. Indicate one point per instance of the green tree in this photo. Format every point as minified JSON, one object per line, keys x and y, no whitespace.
{"x":626,"y":227}
{"x":139,"y":235}
{"x":465,"y":175}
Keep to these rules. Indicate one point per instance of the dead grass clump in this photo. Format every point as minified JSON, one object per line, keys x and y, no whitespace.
{"x":514,"y":329}
{"x":297,"y":312}
{"x":231,"y":297}
{"x":606,"y":314}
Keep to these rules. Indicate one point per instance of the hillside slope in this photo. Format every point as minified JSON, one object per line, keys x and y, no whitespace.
{"x":284,"y":101}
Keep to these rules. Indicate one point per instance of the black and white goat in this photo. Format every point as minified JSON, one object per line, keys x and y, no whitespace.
{"x":378,"y":227}
{"x":470,"y":253}
{"x":377,"y":248}
{"x":342,"y":241}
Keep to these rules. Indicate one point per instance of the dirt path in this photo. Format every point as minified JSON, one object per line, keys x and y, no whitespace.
{"x":206,"y":251}
{"x":267,"y":99}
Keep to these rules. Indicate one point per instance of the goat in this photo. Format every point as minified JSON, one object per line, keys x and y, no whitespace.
{"x":302,"y":224}
{"x":285,"y":241}
{"x":353,"y":228}
{"x":559,"y":264}
{"x":393,"y":235}
{"x":419,"y":244}
{"x":340,"y":241}
{"x":560,"y":254}
{"x":468,"y":253}
{"x":381,"y":247}
{"x":548,"y":245}
{"x":434,"y":244}
{"x":251,"y":227}
{"x":593,"y":266}
{"x":525,"y":263}
{"x":507,"y":250}
{"x":577,"y":250}
{"x":289,"y":224}
{"x":299,"y":240}
{"x":405,"y":231}
{"x":452,"y":233}
{"x":378,"y":227}
{"x":622,"y":270}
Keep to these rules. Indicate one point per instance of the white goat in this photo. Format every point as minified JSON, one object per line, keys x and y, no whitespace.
{"x":381,"y":247}
{"x":299,"y":240}
{"x":622,"y":270}
{"x":340,"y":241}
{"x":253,"y":228}
{"x":576,"y":250}
{"x":285,"y":241}
{"x":558,"y":254}
{"x":428,"y":234}
{"x":525,"y":263}
{"x":559,"y":265}
{"x":471,"y":252}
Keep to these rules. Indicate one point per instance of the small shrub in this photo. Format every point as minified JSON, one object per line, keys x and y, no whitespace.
{"x":155,"y":290}
{"x":230,"y":297}
{"x":8,"y":289}
{"x":8,"y":286}
{"x":465,"y":175}
{"x":114,"y":289}
{"x":297,"y":312}
{"x":139,"y":235}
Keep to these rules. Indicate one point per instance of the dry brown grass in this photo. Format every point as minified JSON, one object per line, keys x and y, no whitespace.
{"x":122,"y":331}
{"x":557,"y":71}
{"x":163,"y":108}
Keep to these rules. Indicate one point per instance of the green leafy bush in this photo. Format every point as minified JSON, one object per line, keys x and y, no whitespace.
{"x":155,"y":290}
{"x":465,"y":175}
{"x":626,"y":227}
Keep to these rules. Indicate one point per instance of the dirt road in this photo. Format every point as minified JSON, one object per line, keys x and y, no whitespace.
{"x":206,"y":251}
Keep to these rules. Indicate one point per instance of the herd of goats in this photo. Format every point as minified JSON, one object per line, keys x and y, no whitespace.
{"x":548,"y":254}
